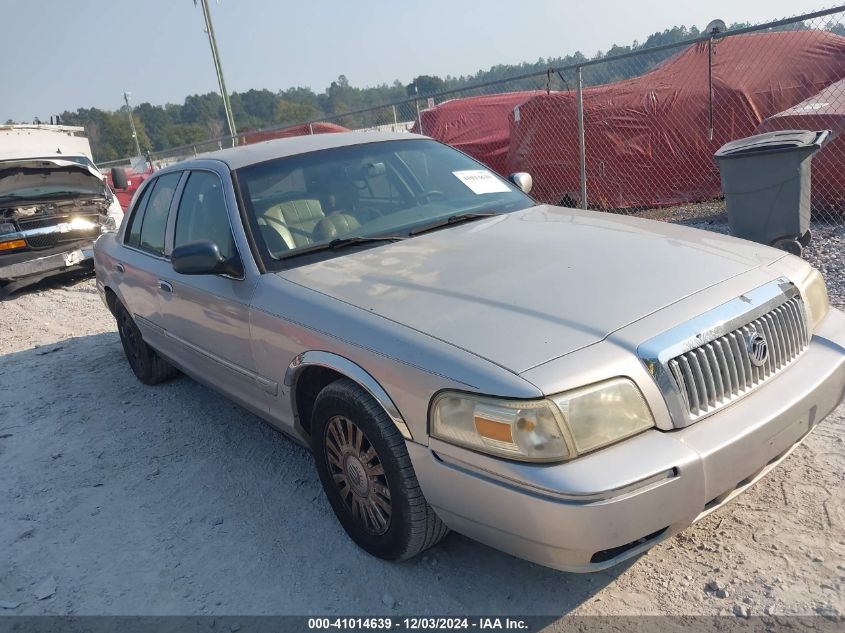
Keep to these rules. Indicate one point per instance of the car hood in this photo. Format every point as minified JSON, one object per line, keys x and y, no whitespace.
{"x":50,"y":173}
{"x":527,"y":287}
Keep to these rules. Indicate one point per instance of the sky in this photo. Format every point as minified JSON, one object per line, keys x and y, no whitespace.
{"x":63,"y":55}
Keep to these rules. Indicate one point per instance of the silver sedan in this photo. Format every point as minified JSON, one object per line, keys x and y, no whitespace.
{"x":568,"y":386}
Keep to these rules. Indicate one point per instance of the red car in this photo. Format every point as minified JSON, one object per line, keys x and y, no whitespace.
{"x":124,"y":182}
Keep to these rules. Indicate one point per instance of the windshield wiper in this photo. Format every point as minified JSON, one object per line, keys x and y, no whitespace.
{"x":452,"y":219}
{"x":342,"y":242}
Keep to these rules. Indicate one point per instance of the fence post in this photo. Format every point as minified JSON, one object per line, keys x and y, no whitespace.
{"x":582,"y":152}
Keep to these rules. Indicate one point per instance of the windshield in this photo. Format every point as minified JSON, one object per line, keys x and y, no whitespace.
{"x":393,"y":188}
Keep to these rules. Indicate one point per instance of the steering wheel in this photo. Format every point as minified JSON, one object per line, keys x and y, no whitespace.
{"x":425,"y":195}
{"x":370,"y":213}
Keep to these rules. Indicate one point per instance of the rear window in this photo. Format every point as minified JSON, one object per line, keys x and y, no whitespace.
{"x":149,"y":222}
{"x":133,"y":229}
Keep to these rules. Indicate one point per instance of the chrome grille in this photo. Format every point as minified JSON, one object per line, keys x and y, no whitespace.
{"x":47,"y":232}
{"x":48,"y":240}
{"x":716,"y":373}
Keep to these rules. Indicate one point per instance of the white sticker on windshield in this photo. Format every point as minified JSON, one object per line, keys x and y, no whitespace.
{"x":481,"y":181}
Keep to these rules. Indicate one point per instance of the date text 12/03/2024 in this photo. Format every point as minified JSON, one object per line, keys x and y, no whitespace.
{"x":421,"y":623}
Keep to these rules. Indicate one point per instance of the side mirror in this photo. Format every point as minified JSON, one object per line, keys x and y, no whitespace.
{"x":523,"y":180}
{"x":203,"y":258}
{"x":118,"y":178}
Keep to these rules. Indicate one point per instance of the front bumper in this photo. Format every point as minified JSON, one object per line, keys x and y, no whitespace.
{"x":40,"y":265}
{"x":603,"y":508}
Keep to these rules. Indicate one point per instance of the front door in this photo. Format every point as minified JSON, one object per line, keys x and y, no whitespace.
{"x":206,"y":317}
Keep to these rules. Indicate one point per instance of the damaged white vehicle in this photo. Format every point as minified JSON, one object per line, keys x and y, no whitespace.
{"x":52,"y":208}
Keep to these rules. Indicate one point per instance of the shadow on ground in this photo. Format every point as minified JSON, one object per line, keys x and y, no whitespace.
{"x":172,"y":500}
{"x":52,"y":282}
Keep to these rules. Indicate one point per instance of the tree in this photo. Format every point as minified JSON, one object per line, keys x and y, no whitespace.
{"x":186,"y":134}
{"x":156,"y":121}
{"x":260,"y":104}
{"x":836,"y":27}
{"x":202,"y":108}
{"x":290,"y":112}
{"x":425,"y":85}
{"x":118,"y":135}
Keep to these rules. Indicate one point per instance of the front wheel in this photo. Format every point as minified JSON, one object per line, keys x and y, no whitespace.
{"x":367,"y":475}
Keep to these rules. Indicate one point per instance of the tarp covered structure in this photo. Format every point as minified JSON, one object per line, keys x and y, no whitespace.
{"x":256,"y":136}
{"x":823,"y":111}
{"x":477,"y":126}
{"x":647,"y":138}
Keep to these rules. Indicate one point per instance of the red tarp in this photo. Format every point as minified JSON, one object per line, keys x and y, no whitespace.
{"x":256,"y":136}
{"x":824,"y":111}
{"x":477,"y":126}
{"x":647,"y":137}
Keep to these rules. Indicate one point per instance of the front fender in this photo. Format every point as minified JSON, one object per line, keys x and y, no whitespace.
{"x":352,"y":371}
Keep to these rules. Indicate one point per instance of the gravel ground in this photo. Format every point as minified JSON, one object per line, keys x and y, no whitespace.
{"x":123,"y":499}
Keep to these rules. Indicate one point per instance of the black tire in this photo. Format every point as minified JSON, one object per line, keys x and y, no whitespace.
{"x":146,"y":364}
{"x":790,"y":245}
{"x":806,"y":238}
{"x":412,"y":525}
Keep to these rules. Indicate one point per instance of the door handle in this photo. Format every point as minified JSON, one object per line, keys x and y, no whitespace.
{"x":164,"y":286}
{"x":119,"y":268}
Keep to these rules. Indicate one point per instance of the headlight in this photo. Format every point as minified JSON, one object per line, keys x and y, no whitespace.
{"x":814,"y":292}
{"x":553,"y":429}
{"x":527,"y":430}
{"x":604,"y":413}
{"x":81,"y":224}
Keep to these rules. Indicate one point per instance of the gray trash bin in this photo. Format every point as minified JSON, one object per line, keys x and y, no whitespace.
{"x":766,"y":180}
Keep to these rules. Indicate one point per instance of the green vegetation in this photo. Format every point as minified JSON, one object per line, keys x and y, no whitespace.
{"x":200,"y":117}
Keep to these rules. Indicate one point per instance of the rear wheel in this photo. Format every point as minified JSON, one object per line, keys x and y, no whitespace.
{"x":790,"y":245}
{"x":146,"y":364}
{"x":367,"y":475}
{"x":806,"y":238}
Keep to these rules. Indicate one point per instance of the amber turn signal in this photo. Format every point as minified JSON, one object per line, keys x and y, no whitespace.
{"x":494,"y":430}
{"x":12,"y":244}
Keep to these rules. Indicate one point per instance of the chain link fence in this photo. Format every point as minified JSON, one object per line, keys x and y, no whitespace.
{"x":634,"y":133}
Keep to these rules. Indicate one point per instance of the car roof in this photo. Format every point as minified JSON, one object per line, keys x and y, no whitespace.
{"x":237,"y":157}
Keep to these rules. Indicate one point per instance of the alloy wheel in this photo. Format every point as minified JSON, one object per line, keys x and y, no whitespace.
{"x":358,"y":475}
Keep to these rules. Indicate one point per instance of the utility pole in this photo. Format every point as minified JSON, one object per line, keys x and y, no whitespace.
{"x":227,"y":107}
{"x":417,"y":103}
{"x":132,"y":124}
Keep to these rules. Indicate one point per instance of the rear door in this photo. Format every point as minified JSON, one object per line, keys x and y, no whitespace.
{"x":144,"y":259}
{"x":207,"y":316}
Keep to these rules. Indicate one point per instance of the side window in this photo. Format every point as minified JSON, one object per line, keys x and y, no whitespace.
{"x":154,"y":222}
{"x":202,"y":214}
{"x":133,"y":228}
